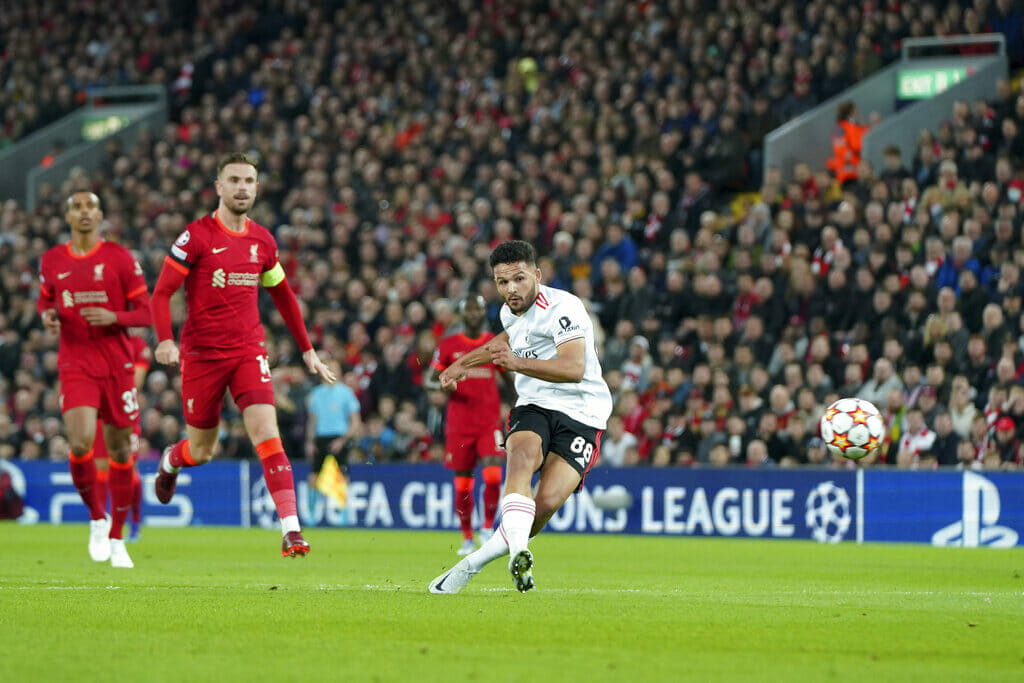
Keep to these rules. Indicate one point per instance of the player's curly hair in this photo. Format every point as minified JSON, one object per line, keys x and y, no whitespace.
{"x":514,"y":251}
{"x":237,"y":158}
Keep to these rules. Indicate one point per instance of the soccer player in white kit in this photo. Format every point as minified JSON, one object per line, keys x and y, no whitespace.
{"x":555,"y":426}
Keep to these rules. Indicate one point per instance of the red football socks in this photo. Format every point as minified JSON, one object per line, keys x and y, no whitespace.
{"x":136,"y":497}
{"x":492,"y":493}
{"x":181,"y":455}
{"x":464,"y":505}
{"x":102,"y":486}
{"x":278,"y":473}
{"x":120,"y":495}
{"x":83,"y":475}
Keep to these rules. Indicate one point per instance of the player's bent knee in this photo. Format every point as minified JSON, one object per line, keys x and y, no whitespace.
{"x":524,"y":458}
{"x":80,"y":447}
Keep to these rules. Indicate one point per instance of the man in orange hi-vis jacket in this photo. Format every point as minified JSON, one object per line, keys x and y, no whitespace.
{"x":846,"y":143}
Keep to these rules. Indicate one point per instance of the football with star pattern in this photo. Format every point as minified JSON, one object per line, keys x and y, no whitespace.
{"x":852,"y":428}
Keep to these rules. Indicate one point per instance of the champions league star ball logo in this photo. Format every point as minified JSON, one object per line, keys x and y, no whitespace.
{"x":828,"y":512}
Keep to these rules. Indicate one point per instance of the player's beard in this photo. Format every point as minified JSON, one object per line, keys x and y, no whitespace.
{"x":525,"y":301}
{"x":240,"y":207}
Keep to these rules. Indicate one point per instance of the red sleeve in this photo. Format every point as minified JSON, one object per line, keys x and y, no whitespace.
{"x":171,"y":276}
{"x":288,"y":306}
{"x":440,"y":359}
{"x":139,"y":315}
{"x":143,"y":356}
{"x":46,"y":300}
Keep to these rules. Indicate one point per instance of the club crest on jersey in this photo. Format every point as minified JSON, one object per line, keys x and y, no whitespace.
{"x":97,"y":272}
{"x":67,"y":299}
{"x":254,"y":253}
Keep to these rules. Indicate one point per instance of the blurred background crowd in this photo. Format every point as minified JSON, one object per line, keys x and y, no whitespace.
{"x":399,"y":142}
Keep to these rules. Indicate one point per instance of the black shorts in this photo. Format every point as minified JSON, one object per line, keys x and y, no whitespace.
{"x":322,"y":448}
{"x":569,"y":439}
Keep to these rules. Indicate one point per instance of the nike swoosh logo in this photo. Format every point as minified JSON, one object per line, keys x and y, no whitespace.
{"x":441,"y":582}
{"x":513,"y":427}
{"x":217,"y":250}
{"x":61,"y":276}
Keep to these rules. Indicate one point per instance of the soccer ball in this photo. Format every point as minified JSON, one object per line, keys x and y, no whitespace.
{"x":852,"y":428}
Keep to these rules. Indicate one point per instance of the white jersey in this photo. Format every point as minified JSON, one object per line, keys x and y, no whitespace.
{"x":555,"y":318}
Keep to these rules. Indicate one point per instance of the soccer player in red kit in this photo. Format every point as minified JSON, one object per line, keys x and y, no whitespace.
{"x":140,"y":368}
{"x":91,"y":292}
{"x":222,"y":258}
{"x":472,"y":422}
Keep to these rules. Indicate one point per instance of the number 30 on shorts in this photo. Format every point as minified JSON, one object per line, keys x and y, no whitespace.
{"x":582,"y":450}
{"x":130,"y":401}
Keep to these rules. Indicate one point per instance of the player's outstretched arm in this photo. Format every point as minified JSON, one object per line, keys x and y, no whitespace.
{"x":456,"y":372}
{"x":171,"y":277}
{"x":568,"y":366}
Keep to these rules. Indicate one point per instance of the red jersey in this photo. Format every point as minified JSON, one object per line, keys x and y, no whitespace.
{"x":474,"y":405}
{"x":141,"y":352}
{"x":222,"y":275}
{"x":107,"y":277}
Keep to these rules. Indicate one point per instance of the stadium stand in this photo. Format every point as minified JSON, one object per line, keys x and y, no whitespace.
{"x":399,"y":141}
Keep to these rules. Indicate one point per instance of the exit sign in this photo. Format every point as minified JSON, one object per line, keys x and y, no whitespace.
{"x":920,"y":84}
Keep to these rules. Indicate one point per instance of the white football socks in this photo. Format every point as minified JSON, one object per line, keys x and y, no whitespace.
{"x":493,"y":548}
{"x":165,"y":463}
{"x":517,"y":514}
{"x":289,"y":523}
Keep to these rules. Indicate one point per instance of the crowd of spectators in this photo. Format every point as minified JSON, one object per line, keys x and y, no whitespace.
{"x":399,"y":141}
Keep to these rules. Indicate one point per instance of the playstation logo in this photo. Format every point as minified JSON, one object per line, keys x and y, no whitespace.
{"x":978,"y":525}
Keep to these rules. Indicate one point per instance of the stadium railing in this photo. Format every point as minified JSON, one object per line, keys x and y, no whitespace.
{"x":933,"y":71}
{"x":119,"y":112}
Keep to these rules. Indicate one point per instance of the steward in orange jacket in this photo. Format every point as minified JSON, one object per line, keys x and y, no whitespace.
{"x":847,"y":142}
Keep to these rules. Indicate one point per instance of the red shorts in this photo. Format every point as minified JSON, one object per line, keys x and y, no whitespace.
{"x":99,"y":444}
{"x":464,"y":451}
{"x":114,"y":397}
{"x":203,"y":384}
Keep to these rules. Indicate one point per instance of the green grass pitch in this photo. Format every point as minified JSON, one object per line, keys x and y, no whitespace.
{"x":219,"y":604}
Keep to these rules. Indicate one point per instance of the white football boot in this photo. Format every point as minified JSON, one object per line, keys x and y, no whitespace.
{"x":99,"y":539}
{"x":453,"y":580}
{"x":119,"y":554}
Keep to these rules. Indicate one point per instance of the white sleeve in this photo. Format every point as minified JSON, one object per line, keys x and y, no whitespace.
{"x":569,"y":321}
